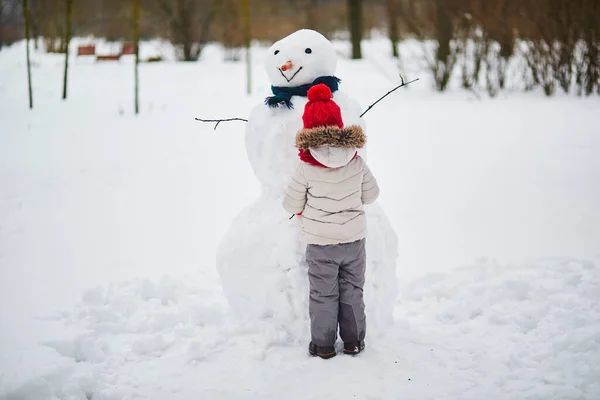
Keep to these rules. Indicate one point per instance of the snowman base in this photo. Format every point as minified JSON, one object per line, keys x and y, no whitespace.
{"x":262,"y":267}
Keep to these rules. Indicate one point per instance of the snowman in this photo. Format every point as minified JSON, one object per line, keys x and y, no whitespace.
{"x":261,"y":259}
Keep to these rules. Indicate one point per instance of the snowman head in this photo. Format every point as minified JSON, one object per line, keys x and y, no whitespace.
{"x":300,"y":58}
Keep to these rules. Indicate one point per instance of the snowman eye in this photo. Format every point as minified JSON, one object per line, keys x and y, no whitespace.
{"x":308,"y":50}
{"x":276,"y":52}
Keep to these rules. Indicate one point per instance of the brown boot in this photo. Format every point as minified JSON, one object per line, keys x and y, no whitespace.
{"x":354,"y":348}
{"x":325,"y":352}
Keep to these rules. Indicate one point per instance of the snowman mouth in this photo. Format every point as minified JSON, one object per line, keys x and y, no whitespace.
{"x":293,"y":76}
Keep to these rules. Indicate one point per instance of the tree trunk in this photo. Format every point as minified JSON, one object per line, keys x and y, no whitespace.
{"x":136,"y":40}
{"x":189,"y":22}
{"x":444,"y":32}
{"x":26,"y":16}
{"x":67,"y":41}
{"x":311,"y":17}
{"x":184,"y":20}
{"x":205,"y":31}
{"x":247,"y":39}
{"x":187,"y":50}
{"x":444,"y":56}
{"x":393,"y":26}
{"x":355,"y":24}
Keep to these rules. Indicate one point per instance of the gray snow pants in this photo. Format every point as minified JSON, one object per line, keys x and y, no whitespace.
{"x":336,"y":274}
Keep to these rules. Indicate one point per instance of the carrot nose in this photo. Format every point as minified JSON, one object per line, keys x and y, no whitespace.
{"x":286,"y":66}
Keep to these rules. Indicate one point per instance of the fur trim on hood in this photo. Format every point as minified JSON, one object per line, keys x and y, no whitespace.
{"x":349,"y":136}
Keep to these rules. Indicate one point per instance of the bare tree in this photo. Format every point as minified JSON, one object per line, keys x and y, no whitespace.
{"x":4,"y":11}
{"x":247,"y":38}
{"x":188,"y":23}
{"x":229,"y":27}
{"x":355,"y":24}
{"x":26,"y":16}
{"x":393,"y":26}
{"x":67,"y":41}
{"x":445,"y":56}
{"x":136,"y":40}
{"x":588,"y":74}
{"x":48,"y":21}
{"x":310,"y":11}
{"x":473,"y":45}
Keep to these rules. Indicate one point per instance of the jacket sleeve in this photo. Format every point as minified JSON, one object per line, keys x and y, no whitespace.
{"x":370,"y":189}
{"x":294,"y":198}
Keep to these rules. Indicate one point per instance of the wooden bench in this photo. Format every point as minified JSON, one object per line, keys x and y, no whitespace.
{"x":154,"y":59}
{"x":89,"y":50}
{"x":109,"y":57}
{"x":128,"y":49}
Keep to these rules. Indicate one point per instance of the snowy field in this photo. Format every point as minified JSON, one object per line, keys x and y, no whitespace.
{"x":109,"y":225}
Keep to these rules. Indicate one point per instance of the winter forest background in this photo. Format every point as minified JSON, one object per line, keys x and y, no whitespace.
{"x":557,"y":42}
{"x":114,"y":199}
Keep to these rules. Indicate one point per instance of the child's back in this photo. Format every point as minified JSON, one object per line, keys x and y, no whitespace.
{"x":333,"y":211}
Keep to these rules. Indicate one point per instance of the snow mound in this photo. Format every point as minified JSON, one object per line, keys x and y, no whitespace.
{"x":526,"y":331}
{"x":262,"y":268}
{"x":520,"y":331}
{"x":127,"y":323}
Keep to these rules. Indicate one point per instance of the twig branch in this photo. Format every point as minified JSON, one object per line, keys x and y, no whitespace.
{"x":218,"y":121}
{"x":383,"y":97}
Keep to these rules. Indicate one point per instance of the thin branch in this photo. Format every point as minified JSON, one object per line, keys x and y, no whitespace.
{"x":218,"y":121}
{"x":382,"y":97}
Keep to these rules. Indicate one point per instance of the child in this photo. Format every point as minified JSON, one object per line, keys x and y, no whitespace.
{"x":329,"y":187}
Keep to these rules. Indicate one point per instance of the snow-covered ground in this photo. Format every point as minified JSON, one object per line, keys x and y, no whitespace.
{"x":109,"y":224}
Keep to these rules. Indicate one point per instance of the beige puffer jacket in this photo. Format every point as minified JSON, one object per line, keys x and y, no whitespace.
{"x":331,"y":199}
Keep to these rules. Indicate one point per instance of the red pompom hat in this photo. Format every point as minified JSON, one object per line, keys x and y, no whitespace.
{"x":321,"y":110}
{"x":323,"y":126}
